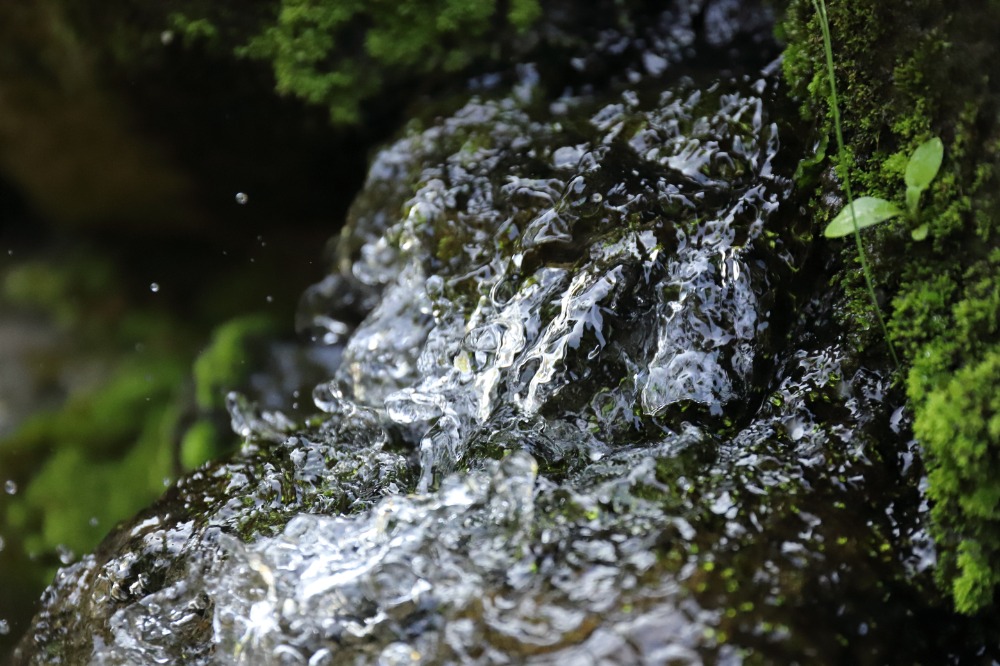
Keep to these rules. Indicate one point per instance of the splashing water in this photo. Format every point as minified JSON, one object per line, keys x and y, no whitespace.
{"x":569,"y":424}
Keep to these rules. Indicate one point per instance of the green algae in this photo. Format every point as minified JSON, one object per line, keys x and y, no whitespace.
{"x":912,"y":71}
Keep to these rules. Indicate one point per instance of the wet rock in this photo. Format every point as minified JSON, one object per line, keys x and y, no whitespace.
{"x":577,"y":423}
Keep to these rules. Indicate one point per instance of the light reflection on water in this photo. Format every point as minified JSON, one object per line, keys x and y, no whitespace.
{"x":548,"y":440}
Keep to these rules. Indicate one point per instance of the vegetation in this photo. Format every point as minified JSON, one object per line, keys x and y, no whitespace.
{"x":342,"y":53}
{"x":109,"y":445}
{"x":867,"y":211}
{"x":853,"y":207}
{"x":913,"y":72}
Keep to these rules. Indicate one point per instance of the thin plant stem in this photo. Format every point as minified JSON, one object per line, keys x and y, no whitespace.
{"x":820,"y":6}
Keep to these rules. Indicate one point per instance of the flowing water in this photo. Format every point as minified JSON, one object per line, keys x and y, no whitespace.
{"x":591,"y":407}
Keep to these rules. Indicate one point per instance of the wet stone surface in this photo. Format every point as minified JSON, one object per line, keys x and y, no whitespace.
{"x":590,"y":409}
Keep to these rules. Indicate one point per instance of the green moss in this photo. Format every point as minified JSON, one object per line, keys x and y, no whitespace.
{"x":113,"y":450}
{"x":222,"y":366}
{"x":959,"y":425}
{"x":908,"y":71}
{"x":69,"y":293}
{"x":193,"y":30}
{"x":340,"y":53}
{"x":200,"y":443}
{"x":125,"y":365}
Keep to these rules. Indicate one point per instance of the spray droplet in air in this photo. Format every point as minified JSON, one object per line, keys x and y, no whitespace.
{"x":154,"y":287}
{"x":66,"y":556}
{"x":10,"y":487}
{"x":242,"y":198}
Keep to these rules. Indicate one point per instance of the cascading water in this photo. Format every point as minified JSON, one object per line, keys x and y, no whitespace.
{"x":577,"y":423}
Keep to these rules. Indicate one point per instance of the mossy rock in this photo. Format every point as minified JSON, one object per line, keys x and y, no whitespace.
{"x":905,"y":72}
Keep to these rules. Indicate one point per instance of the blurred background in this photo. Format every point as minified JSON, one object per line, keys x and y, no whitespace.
{"x":161,"y":209}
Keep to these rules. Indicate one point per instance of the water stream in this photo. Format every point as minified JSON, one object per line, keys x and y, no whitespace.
{"x":595,"y":412}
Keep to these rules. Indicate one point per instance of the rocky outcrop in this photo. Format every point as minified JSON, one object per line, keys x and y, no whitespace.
{"x":597,"y":400}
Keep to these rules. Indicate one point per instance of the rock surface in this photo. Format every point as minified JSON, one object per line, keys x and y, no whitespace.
{"x":596,"y":410}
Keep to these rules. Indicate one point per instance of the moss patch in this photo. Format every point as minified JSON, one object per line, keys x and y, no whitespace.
{"x":342,"y":53}
{"x":908,"y":71}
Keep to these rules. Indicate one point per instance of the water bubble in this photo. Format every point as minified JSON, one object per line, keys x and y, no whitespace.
{"x":409,"y":406}
{"x":10,"y":487}
{"x":242,"y":198}
{"x":154,"y":287}
{"x":398,"y":654}
{"x":329,"y":399}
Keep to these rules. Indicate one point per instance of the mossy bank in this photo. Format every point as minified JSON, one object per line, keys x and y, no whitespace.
{"x":907,"y":71}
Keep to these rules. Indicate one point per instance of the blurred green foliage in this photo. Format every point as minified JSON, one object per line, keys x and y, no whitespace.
{"x":342,"y":53}
{"x":142,"y":402}
{"x":222,"y":364}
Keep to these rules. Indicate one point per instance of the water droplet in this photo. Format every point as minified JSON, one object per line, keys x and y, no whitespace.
{"x":2,"y":544}
{"x":4,"y":628}
{"x":269,"y":299}
{"x":93,"y":521}
{"x":166,"y":37}
{"x":66,"y":556}
{"x":154,"y":287}
{"x":10,"y":487}
{"x":242,"y":198}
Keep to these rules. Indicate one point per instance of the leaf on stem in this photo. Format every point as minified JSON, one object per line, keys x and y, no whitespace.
{"x":867,"y":211}
{"x":924,"y":164}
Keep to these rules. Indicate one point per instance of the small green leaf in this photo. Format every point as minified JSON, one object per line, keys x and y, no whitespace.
{"x":920,"y":233}
{"x":924,"y":164}
{"x":867,"y":211}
